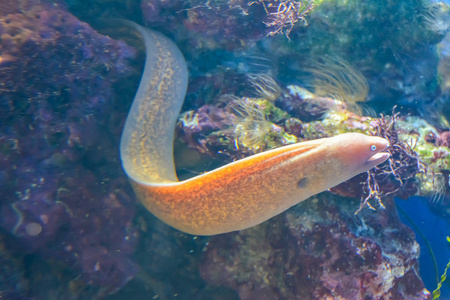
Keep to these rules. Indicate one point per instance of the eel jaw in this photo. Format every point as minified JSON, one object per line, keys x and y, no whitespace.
{"x":377,"y":159}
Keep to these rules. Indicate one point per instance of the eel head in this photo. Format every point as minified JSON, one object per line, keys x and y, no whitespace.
{"x":360,"y":152}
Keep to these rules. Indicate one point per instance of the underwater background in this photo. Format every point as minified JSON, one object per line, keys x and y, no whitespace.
{"x":262,"y":74}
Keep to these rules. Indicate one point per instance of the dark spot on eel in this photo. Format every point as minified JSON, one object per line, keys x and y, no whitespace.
{"x":302,"y":182}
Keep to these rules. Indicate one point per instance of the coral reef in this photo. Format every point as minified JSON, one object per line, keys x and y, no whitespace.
{"x":221,"y":22}
{"x":400,"y":69}
{"x":247,"y":127}
{"x":13,"y":285}
{"x":417,"y":159}
{"x":63,"y":195}
{"x":398,"y":59}
{"x":319,"y":250}
{"x":402,"y":175}
{"x":67,"y":207}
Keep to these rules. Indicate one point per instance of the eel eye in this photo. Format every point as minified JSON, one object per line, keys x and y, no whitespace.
{"x":373,"y":148}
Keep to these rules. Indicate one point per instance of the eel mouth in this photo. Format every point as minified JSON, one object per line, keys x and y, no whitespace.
{"x":377,"y":158}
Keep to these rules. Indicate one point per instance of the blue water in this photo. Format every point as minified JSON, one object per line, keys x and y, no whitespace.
{"x":435,"y":229}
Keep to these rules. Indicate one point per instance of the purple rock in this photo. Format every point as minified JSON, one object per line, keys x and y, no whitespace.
{"x":64,"y":195}
{"x":319,"y":250}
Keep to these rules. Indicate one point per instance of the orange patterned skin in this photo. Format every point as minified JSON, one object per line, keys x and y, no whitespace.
{"x":236,"y":196}
{"x":249,"y":191}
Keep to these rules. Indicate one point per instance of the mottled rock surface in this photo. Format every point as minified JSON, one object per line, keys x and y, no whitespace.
{"x":64,"y":197}
{"x":319,"y":250}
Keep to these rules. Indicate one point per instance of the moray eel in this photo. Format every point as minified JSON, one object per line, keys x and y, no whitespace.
{"x":238,"y":195}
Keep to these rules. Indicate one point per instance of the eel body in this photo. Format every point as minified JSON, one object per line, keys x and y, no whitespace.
{"x":238,"y":195}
